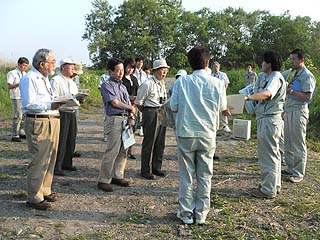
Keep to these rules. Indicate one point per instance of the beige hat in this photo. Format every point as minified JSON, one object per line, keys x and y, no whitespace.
{"x":78,"y":69}
{"x":67,"y":61}
{"x":181,"y":72}
{"x":160,"y":63}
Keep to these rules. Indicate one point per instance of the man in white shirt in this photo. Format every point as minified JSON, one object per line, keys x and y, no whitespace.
{"x":63,"y":85}
{"x":13,"y":80}
{"x":42,"y":128}
{"x":141,"y":76}
{"x":223,"y":120}
{"x":197,"y":99}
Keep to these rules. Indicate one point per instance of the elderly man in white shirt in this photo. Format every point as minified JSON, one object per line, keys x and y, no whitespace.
{"x":223,"y":120}
{"x":13,"y":80}
{"x":63,"y":85}
{"x":42,"y":129}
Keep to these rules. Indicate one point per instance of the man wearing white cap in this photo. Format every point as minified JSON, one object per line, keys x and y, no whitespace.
{"x":150,"y":98}
{"x":63,"y":85}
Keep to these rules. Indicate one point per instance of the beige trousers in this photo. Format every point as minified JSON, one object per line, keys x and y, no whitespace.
{"x":42,"y":138}
{"x":115,"y":157}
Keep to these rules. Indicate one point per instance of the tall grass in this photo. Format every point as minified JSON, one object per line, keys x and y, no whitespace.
{"x":5,"y":102}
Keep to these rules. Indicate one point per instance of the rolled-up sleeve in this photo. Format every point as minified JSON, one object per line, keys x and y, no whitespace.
{"x":174,"y":100}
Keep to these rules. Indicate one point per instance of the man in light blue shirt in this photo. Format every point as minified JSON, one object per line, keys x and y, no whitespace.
{"x":197,"y":99}
{"x":296,"y":116}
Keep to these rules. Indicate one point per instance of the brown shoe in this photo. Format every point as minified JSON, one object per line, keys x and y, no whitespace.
{"x":51,"y":198}
{"x":121,"y":182}
{"x":258,"y":194}
{"x":107,"y":187}
{"x":44,"y":205}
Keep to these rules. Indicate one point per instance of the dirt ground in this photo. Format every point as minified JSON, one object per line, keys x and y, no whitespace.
{"x":145,"y":210}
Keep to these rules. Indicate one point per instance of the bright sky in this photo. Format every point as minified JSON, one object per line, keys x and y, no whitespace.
{"x":27,"y":25}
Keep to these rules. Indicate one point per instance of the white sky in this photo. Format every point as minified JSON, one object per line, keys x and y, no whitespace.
{"x":27,"y":25}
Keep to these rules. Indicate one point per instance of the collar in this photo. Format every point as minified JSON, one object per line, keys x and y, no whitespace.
{"x":116,"y":80}
{"x":39,"y":74}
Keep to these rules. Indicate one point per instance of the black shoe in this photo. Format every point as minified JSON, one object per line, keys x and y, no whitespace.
{"x":76,"y":154}
{"x":16,"y":139}
{"x":147,"y":176}
{"x":72,"y":168}
{"x":131,"y":156}
{"x":215,"y":157}
{"x":159,"y":173}
{"x":22,"y":136}
{"x":59,"y":173}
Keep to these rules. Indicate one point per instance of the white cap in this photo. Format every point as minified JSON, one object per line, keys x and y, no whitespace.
{"x":160,"y":63}
{"x":181,"y":72}
{"x":67,"y":61}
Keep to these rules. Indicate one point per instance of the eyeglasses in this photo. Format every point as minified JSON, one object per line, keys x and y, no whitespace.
{"x":51,"y":62}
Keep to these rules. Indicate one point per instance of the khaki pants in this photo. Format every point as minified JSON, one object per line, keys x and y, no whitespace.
{"x":195,"y":161}
{"x":42,"y":138}
{"x":269,"y":134}
{"x":17,"y":121}
{"x":115,"y":157}
{"x":295,"y":147}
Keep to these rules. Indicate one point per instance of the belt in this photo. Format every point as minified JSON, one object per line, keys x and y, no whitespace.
{"x":151,"y":107}
{"x":42,"y":116}
{"x":120,"y":114}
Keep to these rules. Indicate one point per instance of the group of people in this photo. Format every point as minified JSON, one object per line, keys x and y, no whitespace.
{"x":198,"y":101}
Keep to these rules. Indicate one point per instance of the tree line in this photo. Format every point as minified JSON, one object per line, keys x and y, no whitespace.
{"x":163,"y":28}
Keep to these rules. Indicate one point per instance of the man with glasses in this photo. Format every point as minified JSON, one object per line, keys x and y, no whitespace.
{"x":42,"y":129}
{"x":63,"y":85}
{"x":150,"y":99}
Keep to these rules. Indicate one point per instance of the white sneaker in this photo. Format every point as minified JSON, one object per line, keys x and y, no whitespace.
{"x":226,"y":129}
{"x":296,"y":179}
{"x":200,"y":222}
{"x":140,"y":132}
{"x":186,"y":219}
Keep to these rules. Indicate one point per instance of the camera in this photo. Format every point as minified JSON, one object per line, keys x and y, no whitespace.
{"x":162,"y":100}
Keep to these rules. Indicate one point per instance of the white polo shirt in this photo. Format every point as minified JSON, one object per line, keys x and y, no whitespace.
{"x":13,"y":77}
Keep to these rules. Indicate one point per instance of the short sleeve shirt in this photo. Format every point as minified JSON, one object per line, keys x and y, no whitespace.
{"x":222,"y":76}
{"x":307,"y":83}
{"x":13,"y":77}
{"x":275,"y":83}
{"x":151,"y":92}
{"x":111,"y":90}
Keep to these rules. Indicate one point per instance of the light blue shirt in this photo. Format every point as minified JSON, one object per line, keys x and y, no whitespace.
{"x":307,"y":84}
{"x":197,"y":98}
{"x":273,"y":106}
{"x":36,"y":93}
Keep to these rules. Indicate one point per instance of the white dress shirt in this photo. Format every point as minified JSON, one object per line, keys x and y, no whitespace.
{"x":36,"y":93}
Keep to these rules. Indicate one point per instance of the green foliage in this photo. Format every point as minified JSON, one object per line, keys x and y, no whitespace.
{"x":5,"y":103}
{"x":162,"y":28}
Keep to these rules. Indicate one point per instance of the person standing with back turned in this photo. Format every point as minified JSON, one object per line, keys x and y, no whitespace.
{"x":42,"y":129}
{"x":197,"y":98}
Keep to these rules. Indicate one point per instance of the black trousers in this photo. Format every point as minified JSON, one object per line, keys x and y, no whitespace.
{"x":67,"y":139}
{"x":153,"y":142}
